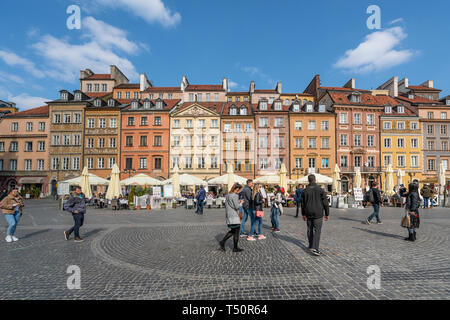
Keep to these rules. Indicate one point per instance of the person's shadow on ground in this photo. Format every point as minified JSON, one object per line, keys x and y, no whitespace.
{"x":30,"y":235}
{"x":379,"y":233}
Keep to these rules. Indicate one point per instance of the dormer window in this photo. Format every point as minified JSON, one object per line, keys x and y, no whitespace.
{"x":388,"y":109}
{"x":97,"y":102}
{"x":400,"y":109}
{"x":321,"y":108}
{"x":447,"y":102}
{"x":263,"y":105}
{"x":78,"y":96}
{"x":159,"y":104}
{"x":233,"y":111}
{"x":410,"y":96}
{"x":134,"y":105}
{"x":355,"y":97}
{"x":111,"y":103}
{"x":278,"y":105}
{"x":64,"y":96}
{"x":296,"y":107}
{"x":147,"y":104}
{"x":243,"y":111}
{"x":309,"y":107}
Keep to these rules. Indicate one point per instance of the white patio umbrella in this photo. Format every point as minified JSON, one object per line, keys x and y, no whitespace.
{"x":141,"y":180}
{"x":93,"y":180}
{"x":389,"y":186}
{"x":336,"y":185}
{"x":442,"y":178}
{"x":269,"y":178}
{"x":176,"y":182}
{"x":283,"y":178}
{"x":114,"y":184}
{"x":320,"y":179}
{"x":399,"y":178}
{"x":230,"y":176}
{"x":187,"y":180}
{"x":357,"y":182}
{"x":84,"y":184}
{"x":223,"y":180}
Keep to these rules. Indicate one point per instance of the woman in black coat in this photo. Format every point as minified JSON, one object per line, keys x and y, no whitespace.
{"x":412,"y":207}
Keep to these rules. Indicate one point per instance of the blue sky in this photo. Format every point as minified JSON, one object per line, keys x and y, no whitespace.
{"x":264,"y":41}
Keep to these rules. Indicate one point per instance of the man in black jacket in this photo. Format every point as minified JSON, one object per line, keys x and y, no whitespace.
{"x":314,"y":207}
{"x":374,"y":197}
{"x":298,"y":198}
{"x":77,"y":206}
{"x":246,"y":196}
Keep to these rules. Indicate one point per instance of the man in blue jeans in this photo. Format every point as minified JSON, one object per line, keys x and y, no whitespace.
{"x":77,"y":206}
{"x":201,"y":196}
{"x":246,"y":196}
{"x":374,"y":197}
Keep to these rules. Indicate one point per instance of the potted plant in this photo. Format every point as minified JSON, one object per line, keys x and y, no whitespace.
{"x":131,"y":205}
{"x":163,"y":205}
{"x":290,"y":203}
{"x":174,"y":204}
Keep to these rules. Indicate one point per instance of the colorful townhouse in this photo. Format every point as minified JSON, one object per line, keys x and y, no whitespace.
{"x":401,"y":142}
{"x":357,"y":129}
{"x":102,"y":136}
{"x":98,"y":85}
{"x":145,"y":138}
{"x":238,"y":138}
{"x":312,"y":142}
{"x":195,"y":138}
{"x":24,"y":150}
{"x":67,"y":127}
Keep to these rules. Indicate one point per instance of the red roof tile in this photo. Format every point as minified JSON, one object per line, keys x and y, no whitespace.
{"x":39,"y":111}
{"x":213,"y":106}
{"x":100,"y":76}
{"x":128,"y":86}
{"x":227,"y":106}
{"x":204,"y":87}
{"x":417,"y":99}
{"x":96,"y":94}
{"x":266,"y":91}
{"x":170,"y":103}
{"x":163,"y":89}
{"x":423,"y":88}
{"x":237,"y":93}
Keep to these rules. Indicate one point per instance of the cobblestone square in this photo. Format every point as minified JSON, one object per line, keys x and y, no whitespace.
{"x":174,"y":254}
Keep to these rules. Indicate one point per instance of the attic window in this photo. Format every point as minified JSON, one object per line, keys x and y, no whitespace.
{"x":388,"y":109}
{"x":401,"y":109}
{"x":64,"y":96}
{"x":321,"y":108}
{"x":296,"y":107}
{"x":278,"y":105}
{"x":97,"y":103}
{"x":355,"y":97}
{"x":233,"y":111}
{"x":309,"y":107}
{"x":243,"y":111}
{"x":147,"y":104}
{"x":410,"y":96}
{"x":134,"y":105}
{"x":263,"y":105}
{"x":447,"y":102}
{"x":111,"y":103}
{"x":78,"y":96}
{"x":159,"y":104}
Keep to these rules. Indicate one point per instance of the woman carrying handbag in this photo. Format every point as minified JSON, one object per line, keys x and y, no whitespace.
{"x":412,"y":209}
{"x":233,"y":217}
{"x":257,"y":207}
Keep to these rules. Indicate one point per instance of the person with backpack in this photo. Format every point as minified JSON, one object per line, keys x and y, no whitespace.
{"x":276,"y":210}
{"x":201,"y":196}
{"x":412,"y":208}
{"x":246,"y":196}
{"x":298,"y":198}
{"x":12,"y":206}
{"x":374,"y":197}
{"x":314,"y":209}
{"x":77,"y":206}
{"x":257,"y":208}
{"x":233,"y":217}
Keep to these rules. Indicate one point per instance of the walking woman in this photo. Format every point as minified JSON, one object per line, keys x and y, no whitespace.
{"x":412,"y":207}
{"x":12,"y":209}
{"x":233,"y":217}
{"x":257,"y":208}
{"x":276,"y":209}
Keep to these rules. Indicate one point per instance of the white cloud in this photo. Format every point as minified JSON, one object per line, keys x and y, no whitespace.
{"x":12,"y":59}
{"x":150,"y":10}
{"x":6,"y":77}
{"x":376,"y":52}
{"x":24,"y":101}
{"x":396,"y":21}
{"x":255,"y":71}
{"x":232,"y":84}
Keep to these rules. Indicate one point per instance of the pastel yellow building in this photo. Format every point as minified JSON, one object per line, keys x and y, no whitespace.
{"x":401,"y":144}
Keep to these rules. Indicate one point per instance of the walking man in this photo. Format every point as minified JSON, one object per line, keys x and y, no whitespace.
{"x":298,"y":198}
{"x":201,"y":196}
{"x":246,"y":196}
{"x":77,"y":206}
{"x":314,"y":203}
{"x":374,"y":197}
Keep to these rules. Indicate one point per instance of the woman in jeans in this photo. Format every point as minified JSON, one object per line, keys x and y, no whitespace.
{"x":412,"y":208}
{"x":12,"y":209}
{"x":276,"y":209}
{"x":257,"y":205}
{"x":233,"y":217}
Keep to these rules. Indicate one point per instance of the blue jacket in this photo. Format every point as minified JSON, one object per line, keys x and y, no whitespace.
{"x":201,"y":195}
{"x":298,"y":195}
{"x":76,"y":203}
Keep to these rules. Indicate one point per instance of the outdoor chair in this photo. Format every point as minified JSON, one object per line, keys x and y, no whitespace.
{"x":115,"y":204}
{"x":190,"y":203}
{"x":209,"y":203}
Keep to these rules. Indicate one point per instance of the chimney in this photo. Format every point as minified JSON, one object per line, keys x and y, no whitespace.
{"x":428,"y":84}
{"x":252,"y":87}
{"x":143,"y":82}
{"x":391,"y":85}
{"x":351,"y":84}
{"x":278,"y":88}
{"x":84,"y":74}
{"x":225,"y":84}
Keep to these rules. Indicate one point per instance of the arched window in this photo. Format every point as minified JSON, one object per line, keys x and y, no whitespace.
{"x":233,"y":111}
{"x":243,"y":111}
{"x":344,"y":184}
{"x":97,"y":102}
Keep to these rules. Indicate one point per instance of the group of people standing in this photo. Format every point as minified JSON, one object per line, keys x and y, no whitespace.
{"x":244,"y":202}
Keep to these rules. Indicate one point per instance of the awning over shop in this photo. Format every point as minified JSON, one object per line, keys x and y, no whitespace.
{"x":31,"y":180}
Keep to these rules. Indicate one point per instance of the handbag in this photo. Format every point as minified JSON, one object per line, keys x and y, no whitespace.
{"x":406,"y":221}
{"x":260,"y":214}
